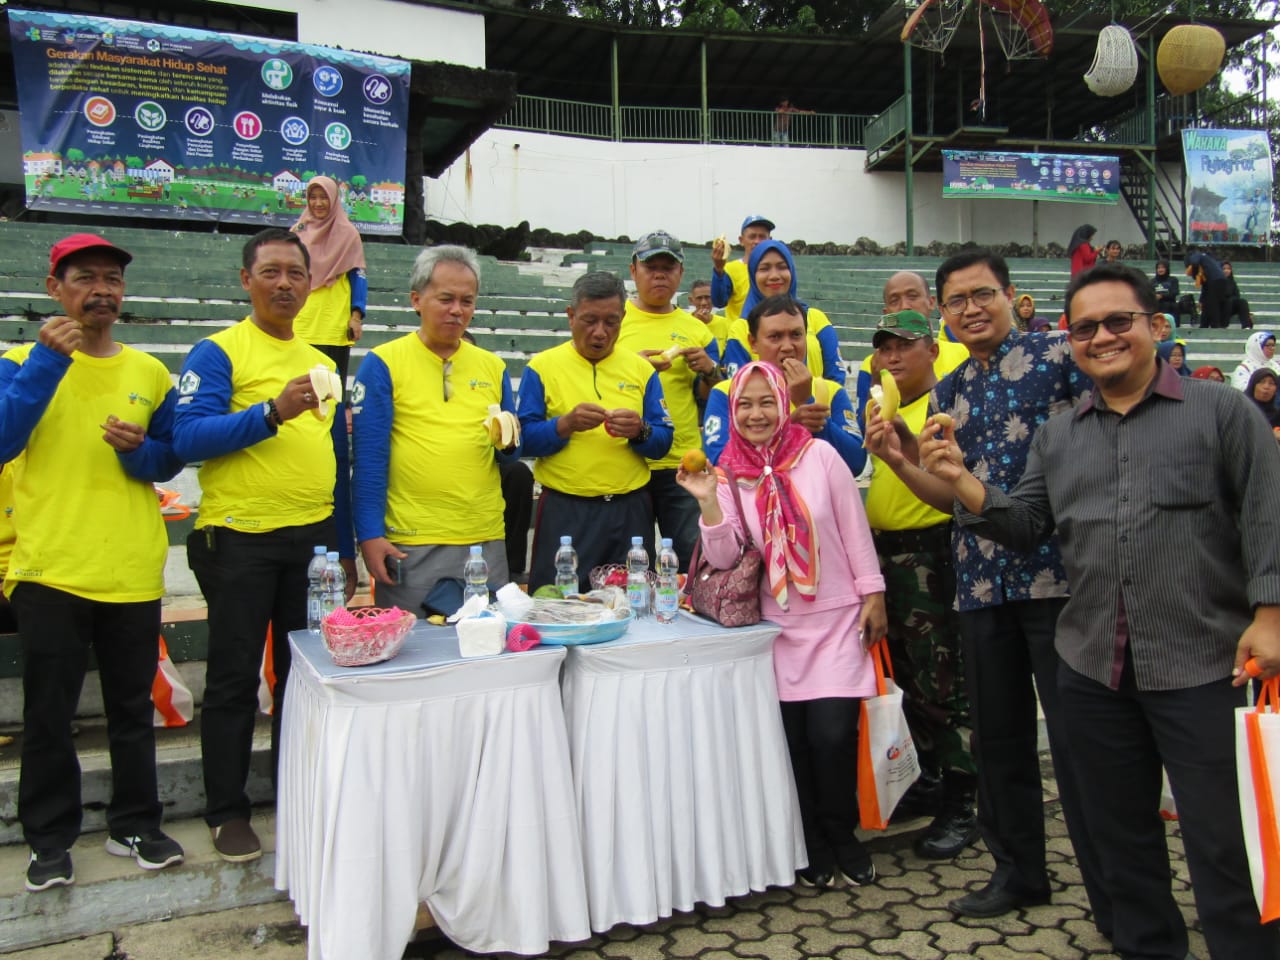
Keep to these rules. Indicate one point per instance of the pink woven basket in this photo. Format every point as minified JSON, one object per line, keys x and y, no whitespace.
{"x":365,"y":635}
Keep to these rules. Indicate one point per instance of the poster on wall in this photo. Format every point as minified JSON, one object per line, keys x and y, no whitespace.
{"x":1229,"y":179}
{"x":129,"y":119}
{"x":1030,"y":176}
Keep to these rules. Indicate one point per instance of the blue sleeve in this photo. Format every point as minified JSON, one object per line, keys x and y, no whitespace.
{"x":721,"y":288}
{"x":203,"y":428}
{"x":712,"y":349}
{"x":655,"y":415}
{"x":25,"y":392}
{"x":841,"y":431}
{"x":342,"y":483}
{"x":155,"y":460}
{"x":861,"y":390}
{"x":359,"y":289}
{"x":832,"y":368}
{"x":538,"y":437}
{"x":509,"y":404}
{"x":371,"y":417}
{"x":715,"y":425}
{"x":735,"y":356}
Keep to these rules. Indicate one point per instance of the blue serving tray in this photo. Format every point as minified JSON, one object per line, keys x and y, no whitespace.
{"x":576,"y":634}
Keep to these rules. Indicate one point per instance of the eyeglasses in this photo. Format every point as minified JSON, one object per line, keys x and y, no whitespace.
{"x":1117,"y":324}
{"x":981,"y":297}
{"x":448,"y":384}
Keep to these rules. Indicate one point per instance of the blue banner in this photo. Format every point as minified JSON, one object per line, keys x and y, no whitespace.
{"x":131,"y":119}
{"x":1228,"y":186}
{"x":1061,"y":177}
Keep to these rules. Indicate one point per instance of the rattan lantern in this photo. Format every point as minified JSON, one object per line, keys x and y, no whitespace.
{"x":1115,"y":62}
{"x":1189,"y":57}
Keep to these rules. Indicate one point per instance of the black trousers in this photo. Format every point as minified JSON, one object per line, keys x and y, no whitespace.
{"x":822,"y":738}
{"x":56,"y":630}
{"x":1237,"y":306}
{"x":1119,"y":739}
{"x":676,"y":512}
{"x":250,"y":581}
{"x":1005,"y":648}
{"x":517,"y":513}
{"x":601,"y":530}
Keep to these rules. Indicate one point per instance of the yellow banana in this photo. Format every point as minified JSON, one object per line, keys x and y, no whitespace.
{"x":503,"y":427}
{"x":886,"y":396}
{"x":327,"y":387}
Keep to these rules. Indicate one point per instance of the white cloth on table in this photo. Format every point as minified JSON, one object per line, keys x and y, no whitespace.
{"x":428,"y":778}
{"x":681,"y":772}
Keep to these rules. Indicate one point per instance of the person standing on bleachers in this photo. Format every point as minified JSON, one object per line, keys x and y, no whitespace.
{"x":274,"y":484}
{"x":729,"y":281}
{"x":592,"y":414}
{"x":426,"y":484}
{"x":90,"y":420}
{"x":1233,"y":303}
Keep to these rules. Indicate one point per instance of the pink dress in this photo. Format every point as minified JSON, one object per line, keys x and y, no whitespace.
{"x":818,"y":653}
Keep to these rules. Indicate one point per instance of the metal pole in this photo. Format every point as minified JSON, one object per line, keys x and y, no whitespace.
{"x":706,"y":117}
{"x":1151,"y":142}
{"x":908,"y":149}
{"x":613,"y":80}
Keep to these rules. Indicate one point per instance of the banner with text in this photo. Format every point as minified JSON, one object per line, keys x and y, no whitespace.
{"x":1031,"y":176}
{"x":121,"y":118}
{"x":1228,"y":186}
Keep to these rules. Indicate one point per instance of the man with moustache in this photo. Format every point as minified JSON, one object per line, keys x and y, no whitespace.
{"x":592,"y":414}
{"x":274,"y":484}
{"x":1008,"y":601}
{"x":1151,"y":673}
{"x":85,"y":428}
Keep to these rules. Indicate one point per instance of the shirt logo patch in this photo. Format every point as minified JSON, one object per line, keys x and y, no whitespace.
{"x":711,"y":426}
{"x":189,"y":383}
{"x":479,"y":384}
{"x":357,"y":393}
{"x":624,"y":387}
{"x":136,"y":398}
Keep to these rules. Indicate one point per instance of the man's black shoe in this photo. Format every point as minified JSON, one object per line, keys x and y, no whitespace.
{"x":951,"y":831}
{"x":993,"y":901}
{"x":922,"y":799}
{"x":815,"y":877}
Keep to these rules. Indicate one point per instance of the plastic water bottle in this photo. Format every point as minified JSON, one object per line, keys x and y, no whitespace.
{"x":567,"y":567}
{"x":666,"y":600}
{"x":315,"y":570}
{"x":333,"y":585}
{"x":475,"y":572}
{"x":638,"y":578}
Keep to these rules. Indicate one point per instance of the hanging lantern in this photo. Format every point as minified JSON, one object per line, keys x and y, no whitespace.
{"x":1115,"y":62}
{"x":1189,"y":57}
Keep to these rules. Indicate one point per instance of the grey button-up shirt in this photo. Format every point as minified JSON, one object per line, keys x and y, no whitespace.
{"x":1174,"y":507}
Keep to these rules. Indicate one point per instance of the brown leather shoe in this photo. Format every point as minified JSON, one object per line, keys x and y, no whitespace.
{"x":236,"y":842}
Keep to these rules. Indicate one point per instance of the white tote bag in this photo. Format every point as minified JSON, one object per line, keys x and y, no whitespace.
{"x":887,"y":761}
{"x":1258,"y":772}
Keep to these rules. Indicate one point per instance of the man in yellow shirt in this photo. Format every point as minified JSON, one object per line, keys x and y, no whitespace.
{"x":274,"y":485}
{"x":426,"y":485}
{"x":683,"y":351}
{"x":592,"y":414}
{"x":89,"y":422}
{"x":913,"y":542}
{"x":729,"y":282}
{"x":700,"y":307}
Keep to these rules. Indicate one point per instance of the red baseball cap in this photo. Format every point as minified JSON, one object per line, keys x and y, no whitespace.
{"x":84,"y":241}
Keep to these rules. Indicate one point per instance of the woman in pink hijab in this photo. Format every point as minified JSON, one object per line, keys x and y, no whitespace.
{"x":333,"y":315}
{"x":822,"y":584}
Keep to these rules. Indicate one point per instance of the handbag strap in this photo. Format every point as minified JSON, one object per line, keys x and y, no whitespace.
{"x":882,"y":663}
{"x":1269,"y":698}
{"x":742,"y":514}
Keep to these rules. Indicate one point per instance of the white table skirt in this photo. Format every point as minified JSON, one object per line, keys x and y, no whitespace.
{"x":428,"y":778}
{"x":682,"y":777}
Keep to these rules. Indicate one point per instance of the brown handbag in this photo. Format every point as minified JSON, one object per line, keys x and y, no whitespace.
{"x":729,"y":597}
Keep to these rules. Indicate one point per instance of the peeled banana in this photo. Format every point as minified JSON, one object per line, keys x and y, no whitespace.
{"x":886,"y":396}
{"x":327,"y":387}
{"x":672,"y":351}
{"x":720,"y":243}
{"x":503,"y":427}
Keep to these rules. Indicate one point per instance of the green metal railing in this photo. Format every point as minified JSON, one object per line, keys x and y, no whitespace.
{"x":1174,"y":114}
{"x":890,"y":124}
{"x":684,"y":124}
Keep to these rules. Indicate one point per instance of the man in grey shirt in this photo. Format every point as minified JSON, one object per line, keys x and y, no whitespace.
{"x":1152,"y":650}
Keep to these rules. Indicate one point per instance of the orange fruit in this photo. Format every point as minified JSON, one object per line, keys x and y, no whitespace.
{"x":694,"y":461}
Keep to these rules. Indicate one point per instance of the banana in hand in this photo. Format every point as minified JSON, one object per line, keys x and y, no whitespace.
{"x":327,"y":387}
{"x":503,"y":427}
{"x":886,"y":396}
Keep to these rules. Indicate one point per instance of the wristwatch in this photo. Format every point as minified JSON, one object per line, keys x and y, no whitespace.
{"x":645,"y":433}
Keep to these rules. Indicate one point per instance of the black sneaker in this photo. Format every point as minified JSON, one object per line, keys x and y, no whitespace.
{"x":854,"y":866}
{"x":814,"y":877}
{"x":50,"y":868}
{"x":152,"y":849}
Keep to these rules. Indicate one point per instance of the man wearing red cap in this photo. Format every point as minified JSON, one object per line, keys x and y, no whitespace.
{"x":90,"y":421}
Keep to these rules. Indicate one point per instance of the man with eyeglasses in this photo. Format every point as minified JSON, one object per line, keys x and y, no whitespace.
{"x":683,"y":351}
{"x":425,"y":485}
{"x":1008,"y":601}
{"x":1151,"y":670}
{"x":592,"y":414}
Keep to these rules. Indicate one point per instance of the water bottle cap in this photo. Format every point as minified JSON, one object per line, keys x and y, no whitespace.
{"x":637,"y":541}
{"x":321,"y":550}
{"x":666,"y":543}
{"x":332,"y":555}
{"x":477,"y":550}
{"x":566,"y":541}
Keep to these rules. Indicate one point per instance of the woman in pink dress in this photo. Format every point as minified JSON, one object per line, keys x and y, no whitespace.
{"x":822,"y":585}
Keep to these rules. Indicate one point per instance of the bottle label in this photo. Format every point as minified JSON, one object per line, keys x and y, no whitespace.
{"x":666,"y":602}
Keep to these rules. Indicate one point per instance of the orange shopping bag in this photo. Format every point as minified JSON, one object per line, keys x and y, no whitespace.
{"x":887,"y":761}
{"x":171,"y":698}
{"x":1258,"y":772}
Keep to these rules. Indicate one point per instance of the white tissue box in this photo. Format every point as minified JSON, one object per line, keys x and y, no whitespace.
{"x":484,"y":635}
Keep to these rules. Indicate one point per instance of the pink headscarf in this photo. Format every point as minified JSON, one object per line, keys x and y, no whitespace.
{"x":790,"y":540}
{"x":334,"y":242}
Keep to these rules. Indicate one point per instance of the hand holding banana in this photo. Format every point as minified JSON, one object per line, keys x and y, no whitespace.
{"x":503,"y":427}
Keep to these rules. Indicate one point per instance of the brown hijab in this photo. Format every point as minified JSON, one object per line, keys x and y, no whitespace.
{"x":334,"y":242}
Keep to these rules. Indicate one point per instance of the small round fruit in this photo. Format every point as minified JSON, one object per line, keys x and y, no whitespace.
{"x":695,"y":461}
{"x":549,"y":591}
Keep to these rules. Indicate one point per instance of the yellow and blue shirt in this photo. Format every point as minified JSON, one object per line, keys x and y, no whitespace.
{"x":729,"y":289}
{"x":425,"y":468}
{"x":590,"y":463}
{"x":326,"y":316}
{"x":822,"y":347}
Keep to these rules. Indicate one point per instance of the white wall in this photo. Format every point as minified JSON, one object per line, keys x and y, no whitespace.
{"x":390,"y":28}
{"x":700,"y":191}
